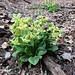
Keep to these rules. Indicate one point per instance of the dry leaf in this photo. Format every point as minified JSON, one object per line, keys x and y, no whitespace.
{"x":70,"y":41}
{"x":70,"y":48}
{"x":22,"y":72}
{"x":2,"y":26}
{"x":67,"y":56}
{"x":5,"y":45}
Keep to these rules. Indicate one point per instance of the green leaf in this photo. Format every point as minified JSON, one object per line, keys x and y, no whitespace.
{"x":34,"y":60}
{"x":17,"y":32}
{"x":28,"y":51}
{"x":51,"y":7}
{"x":39,"y":56}
{"x":41,"y":48}
{"x":42,"y":44}
{"x":19,"y":62}
{"x":24,"y":58}
{"x":19,"y":48}
{"x":53,"y":48}
{"x":16,"y":53}
{"x":29,"y":66}
{"x":41,"y":51}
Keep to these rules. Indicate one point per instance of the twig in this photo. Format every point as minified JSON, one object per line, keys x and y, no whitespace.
{"x":69,"y":7}
{"x":41,"y":69}
{"x":53,"y":67}
{"x":27,"y":1}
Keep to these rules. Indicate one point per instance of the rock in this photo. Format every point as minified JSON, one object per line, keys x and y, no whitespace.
{"x":10,"y":15}
{"x":7,"y":55}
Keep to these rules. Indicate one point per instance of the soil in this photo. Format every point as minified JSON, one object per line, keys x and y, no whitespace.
{"x":64,"y":19}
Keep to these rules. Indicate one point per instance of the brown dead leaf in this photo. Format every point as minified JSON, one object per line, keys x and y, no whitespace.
{"x":22,"y":72}
{"x":70,"y":48}
{"x":67,"y":56}
{"x":5,"y":45}
{"x":1,"y":26}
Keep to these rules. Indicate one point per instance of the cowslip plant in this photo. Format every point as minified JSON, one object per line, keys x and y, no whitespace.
{"x":33,"y":38}
{"x":51,"y":7}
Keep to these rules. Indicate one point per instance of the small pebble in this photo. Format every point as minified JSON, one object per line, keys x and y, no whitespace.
{"x":7,"y":55}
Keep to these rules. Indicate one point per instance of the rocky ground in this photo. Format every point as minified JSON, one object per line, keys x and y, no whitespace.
{"x":64,"y":19}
